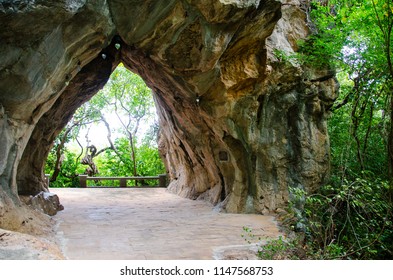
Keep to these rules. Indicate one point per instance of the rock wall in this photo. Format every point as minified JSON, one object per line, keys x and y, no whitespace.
{"x":89,"y":80}
{"x":239,"y":124}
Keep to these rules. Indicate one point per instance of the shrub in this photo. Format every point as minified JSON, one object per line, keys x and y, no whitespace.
{"x":348,"y":221}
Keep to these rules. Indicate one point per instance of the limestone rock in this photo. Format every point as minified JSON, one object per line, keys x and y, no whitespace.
{"x":19,"y":246}
{"x":46,"y":202}
{"x":239,"y":125}
{"x":239,"y":252}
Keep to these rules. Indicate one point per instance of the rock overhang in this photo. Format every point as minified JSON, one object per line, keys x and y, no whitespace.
{"x":217,"y":84}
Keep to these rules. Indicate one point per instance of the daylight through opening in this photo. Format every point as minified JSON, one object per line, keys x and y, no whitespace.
{"x":114,"y":134}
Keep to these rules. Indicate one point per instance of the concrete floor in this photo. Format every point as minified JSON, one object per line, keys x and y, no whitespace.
{"x":150,"y":224}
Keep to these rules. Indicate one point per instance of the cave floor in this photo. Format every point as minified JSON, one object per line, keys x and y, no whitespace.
{"x":152,"y":224}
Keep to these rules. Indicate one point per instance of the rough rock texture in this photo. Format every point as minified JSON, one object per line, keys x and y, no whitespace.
{"x":46,"y":202}
{"x":20,"y":246}
{"x":89,"y":80}
{"x":239,"y":125}
{"x":36,"y":237}
{"x":40,"y":51}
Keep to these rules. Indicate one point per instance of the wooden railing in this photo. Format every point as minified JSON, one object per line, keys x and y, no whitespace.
{"x":123,"y":180}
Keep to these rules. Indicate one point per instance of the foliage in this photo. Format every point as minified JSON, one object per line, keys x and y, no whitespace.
{"x":368,"y":142}
{"x":109,"y":164}
{"x":70,"y":170}
{"x":351,"y":217}
{"x":354,"y":37}
{"x":130,"y":100}
{"x":273,"y":249}
{"x":350,"y":221}
{"x":149,"y":162}
{"x":348,"y":34}
{"x":130,"y":97}
{"x":112,"y":164}
{"x":278,"y":249}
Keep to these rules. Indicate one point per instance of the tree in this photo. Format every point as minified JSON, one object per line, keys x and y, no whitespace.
{"x":84,"y":116}
{"x":351,"y":217}
{"x":383,"y":12}
{"x":354,"y":37}
{"x":126,"y":97}
{"x":96,"y":106}
{"x":132,"y":102}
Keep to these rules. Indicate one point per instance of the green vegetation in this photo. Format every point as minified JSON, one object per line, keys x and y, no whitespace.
{"x":127,"y":101}
{"x":351,"y":217}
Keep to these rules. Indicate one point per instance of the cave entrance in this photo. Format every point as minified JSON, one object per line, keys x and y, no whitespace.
{"x":114,"y":134}
{"x":238,"y":124}
{"x":187,"y":144}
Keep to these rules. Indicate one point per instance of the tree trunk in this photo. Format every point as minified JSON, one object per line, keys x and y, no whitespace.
{"x":390,"y":142}
{"x":59,"y":155}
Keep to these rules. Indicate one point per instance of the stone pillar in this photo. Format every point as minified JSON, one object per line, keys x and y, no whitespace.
{"x":83,"y":181}
{"x":162,"y":180}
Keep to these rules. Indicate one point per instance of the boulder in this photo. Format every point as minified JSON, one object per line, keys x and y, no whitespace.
{"x":46,"y":202}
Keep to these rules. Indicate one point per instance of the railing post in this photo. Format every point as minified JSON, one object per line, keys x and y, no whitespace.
{"x":47,"y":178}
{"x":82,"y":181}
{"x":123,"y":182}
{"x":162,"y":180}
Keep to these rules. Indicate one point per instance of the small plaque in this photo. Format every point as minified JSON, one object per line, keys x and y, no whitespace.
{"x":223,"y":156}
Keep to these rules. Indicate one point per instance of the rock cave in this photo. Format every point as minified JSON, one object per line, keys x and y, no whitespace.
{"x":239,"y":123}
